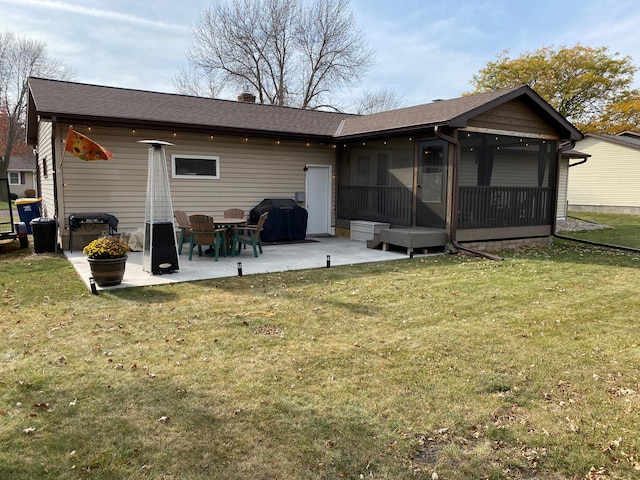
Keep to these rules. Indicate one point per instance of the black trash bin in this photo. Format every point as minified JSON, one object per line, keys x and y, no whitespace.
{"x":28,"y":209}
{"x":44,"y":235}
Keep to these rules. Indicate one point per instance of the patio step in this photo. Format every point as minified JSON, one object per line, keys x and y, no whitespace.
{"x":414,"y":238}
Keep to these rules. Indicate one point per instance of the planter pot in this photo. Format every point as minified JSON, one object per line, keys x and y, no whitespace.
{"x":107,"y":272}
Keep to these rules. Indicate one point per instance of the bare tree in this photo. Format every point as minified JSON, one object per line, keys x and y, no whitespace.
{"x":192,"y":82}
{"x":289,"y":52}
{"x":378,"y":101}
{"x":20,"y":58}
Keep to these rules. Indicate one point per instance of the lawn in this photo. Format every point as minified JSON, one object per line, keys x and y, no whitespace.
{"x":623,"y":229}
{"x":449,"y":367}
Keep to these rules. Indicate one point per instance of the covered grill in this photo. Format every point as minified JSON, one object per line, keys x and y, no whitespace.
{"x":286,"y":221}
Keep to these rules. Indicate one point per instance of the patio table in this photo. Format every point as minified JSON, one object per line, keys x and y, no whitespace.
{"x":228,"y":223}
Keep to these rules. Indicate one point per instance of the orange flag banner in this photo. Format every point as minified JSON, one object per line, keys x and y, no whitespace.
{"x":85,"y":148}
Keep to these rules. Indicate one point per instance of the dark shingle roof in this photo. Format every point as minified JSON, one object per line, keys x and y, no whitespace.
{"x":74,"y":102}
{"x":440,"y":112}
{"x":22,"y":163}
{"x":455,"y":112}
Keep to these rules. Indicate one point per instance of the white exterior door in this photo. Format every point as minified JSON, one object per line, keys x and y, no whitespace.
{"x":318,"y":199}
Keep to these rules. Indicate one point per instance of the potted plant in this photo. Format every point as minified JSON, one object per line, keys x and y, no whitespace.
{"x":107,"y":257}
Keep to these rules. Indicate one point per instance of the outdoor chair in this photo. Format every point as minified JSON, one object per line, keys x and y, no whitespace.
{"x":234,"y":213}
{"x":203,"y":232}
{"x":184,"y":225}
{"x":248,"y":235}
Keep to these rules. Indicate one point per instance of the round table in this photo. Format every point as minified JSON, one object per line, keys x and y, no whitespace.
{"x":224,"y":222}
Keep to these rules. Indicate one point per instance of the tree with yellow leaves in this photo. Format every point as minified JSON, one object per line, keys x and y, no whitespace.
{"x":591,"y":87}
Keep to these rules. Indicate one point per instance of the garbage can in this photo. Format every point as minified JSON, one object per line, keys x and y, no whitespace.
{"x":28,"y":209}
{"x":44,"y":235}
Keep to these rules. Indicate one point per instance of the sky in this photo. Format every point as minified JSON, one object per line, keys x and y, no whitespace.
{"x":424,"y":49}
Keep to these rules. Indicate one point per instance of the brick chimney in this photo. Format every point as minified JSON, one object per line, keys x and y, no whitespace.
{"x":247,"y":97}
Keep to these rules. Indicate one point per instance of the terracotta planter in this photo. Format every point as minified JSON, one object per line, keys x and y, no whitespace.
{"x":107,"y":272}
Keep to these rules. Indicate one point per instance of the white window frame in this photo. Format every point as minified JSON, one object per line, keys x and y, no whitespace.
{"x":198,"y":157}
{"x":11,"y":182}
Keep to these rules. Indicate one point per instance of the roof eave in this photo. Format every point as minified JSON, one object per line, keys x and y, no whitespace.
{"x":391,"y":132}
{"x":613,"y":139}
{"x":96,"y":121}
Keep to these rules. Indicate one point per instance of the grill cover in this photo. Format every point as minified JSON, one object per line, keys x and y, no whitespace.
{"x":286,"y":221}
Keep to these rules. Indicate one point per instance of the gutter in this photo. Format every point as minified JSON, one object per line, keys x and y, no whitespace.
{"x":578,"y":163}
{"x":54,"y":173}
{"x":554,"y":233}
{"x":453,"y":229}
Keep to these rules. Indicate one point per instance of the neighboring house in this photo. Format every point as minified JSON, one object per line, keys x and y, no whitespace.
{"x":483,"y":168}
{"x":22,"y":176}
{"x":568,"y":159}
{"x":610,"y":179}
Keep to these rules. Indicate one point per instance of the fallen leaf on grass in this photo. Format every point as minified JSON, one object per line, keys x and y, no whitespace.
{"x":269,"y":330}
{"x":620,"y":391}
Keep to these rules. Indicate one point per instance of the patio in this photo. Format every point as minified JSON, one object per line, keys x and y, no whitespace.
{"x":276,"y":258}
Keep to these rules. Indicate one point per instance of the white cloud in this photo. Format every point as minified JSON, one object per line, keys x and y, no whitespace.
{"x":93,"y":12}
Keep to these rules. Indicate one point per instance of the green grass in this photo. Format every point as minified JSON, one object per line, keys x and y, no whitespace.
{"x":624,"y":229}
{"x":472,"y":369}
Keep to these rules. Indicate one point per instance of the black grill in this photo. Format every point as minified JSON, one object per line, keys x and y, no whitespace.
{"x":286,"y":221}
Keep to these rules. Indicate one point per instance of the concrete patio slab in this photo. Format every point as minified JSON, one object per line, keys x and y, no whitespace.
{"x":276,"y":258}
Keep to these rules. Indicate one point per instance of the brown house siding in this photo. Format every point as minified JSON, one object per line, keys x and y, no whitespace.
{"x":513,"y":116}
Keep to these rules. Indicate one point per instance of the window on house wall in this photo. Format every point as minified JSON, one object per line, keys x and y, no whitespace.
{"x":45,"y":167}
{"x":195,"y":166}
{"x":15,"y":178}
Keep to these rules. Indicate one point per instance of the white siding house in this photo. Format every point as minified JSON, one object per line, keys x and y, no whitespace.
{"x":610,"y":179}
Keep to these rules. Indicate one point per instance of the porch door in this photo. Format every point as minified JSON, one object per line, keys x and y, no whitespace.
{"x":431,"y":207}
{"x":318,"y":199}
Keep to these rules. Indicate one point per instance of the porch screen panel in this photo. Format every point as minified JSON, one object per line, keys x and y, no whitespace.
{"x":505,"y":180}
{"x":375,"y":182}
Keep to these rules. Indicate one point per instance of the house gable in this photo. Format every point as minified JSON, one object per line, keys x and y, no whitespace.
{"x":513,"y":116}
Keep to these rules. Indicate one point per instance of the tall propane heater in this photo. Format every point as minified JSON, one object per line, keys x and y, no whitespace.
{"x":160,"y":253}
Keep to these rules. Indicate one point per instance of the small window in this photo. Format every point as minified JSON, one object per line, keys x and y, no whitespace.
{"x":195,"y":166}
{"x":14,"y":178}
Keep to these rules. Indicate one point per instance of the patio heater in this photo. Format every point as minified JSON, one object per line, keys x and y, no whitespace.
{"x":160,"y":253}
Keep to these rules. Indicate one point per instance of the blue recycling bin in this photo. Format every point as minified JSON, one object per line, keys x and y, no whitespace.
{"x":28,"y":209}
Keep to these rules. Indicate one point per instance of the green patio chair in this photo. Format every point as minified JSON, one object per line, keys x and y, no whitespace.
{"x":248,"y":235}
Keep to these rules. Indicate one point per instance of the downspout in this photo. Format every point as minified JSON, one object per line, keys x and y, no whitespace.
{"x":563,"y":148}
{"x":54,"y":165}
{"x":453,"y":228}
